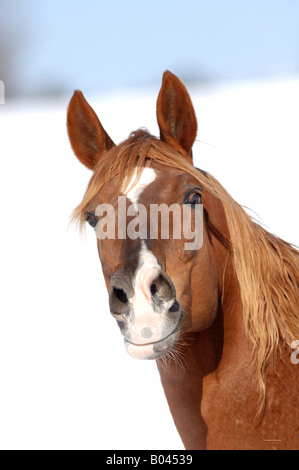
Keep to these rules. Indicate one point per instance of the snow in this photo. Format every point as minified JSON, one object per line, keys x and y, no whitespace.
{"x":66,"y":380}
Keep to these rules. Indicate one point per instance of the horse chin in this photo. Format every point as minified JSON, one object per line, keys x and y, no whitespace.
{"x":152,"y":350}
{"x":156,"y":349}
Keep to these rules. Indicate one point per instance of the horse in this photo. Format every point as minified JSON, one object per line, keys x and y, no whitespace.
{"x":222,"y":320}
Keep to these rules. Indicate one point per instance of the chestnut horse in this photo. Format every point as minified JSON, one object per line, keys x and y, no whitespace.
{"x":221,"y":321}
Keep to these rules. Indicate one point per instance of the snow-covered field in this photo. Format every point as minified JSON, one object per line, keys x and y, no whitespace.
{"x":66,"y":381}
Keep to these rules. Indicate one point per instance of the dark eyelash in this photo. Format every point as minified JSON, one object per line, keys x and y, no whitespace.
{"x":91,"y":219}
{"x":194,"y":192}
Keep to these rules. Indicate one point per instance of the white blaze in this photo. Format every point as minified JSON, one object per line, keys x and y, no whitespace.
{"x":144,"y":315}
{"x":147,"y":271}
{"x":134,"y":191}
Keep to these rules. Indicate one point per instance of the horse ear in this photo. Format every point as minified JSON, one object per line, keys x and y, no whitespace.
{"x":87,"y":136}
{"x":175,"y":114}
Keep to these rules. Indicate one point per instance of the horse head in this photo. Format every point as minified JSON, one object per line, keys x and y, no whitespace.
{"x":158,"y":289}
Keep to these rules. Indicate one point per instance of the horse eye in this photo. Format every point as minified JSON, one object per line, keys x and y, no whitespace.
{"x":193,"y":199}
{"x":91,"y":219}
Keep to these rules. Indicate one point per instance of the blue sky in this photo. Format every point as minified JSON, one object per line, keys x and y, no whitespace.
{"x":98,"y":45}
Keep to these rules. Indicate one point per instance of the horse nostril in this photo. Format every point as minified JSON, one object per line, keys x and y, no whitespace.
{"x":156,"y":285}
{"x":154,"y":289}
{"x":162,"y":288}
{"x":120,"y":294}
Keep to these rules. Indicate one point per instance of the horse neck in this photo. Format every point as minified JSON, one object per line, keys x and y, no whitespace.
{"x":235,"y":347}
{"x":226,"y":338}
{"x":205,"y":359}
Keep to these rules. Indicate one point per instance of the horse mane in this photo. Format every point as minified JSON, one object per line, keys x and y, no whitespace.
{"x":267,"y":268}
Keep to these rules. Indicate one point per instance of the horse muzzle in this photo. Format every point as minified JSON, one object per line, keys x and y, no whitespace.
{"x":146,"y":310}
